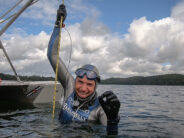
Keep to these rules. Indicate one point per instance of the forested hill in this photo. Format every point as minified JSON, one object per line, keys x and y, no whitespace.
{"x":26,"y":78}
{"x":168,"y":79}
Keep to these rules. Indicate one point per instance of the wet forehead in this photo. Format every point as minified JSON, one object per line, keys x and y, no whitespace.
{"x":85,"y":79}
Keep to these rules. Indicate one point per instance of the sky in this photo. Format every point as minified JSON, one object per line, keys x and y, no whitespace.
{"x":122,"y":38}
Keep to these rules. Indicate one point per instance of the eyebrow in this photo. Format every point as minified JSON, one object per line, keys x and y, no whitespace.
{"x":90,"y":83}
{"x":80,"y":79}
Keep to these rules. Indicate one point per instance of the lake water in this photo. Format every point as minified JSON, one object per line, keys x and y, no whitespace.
{"x":146,"y":111}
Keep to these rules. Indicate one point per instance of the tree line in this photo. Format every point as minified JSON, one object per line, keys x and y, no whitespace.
{"x":26,"y":78}
{"x":167,"y":79}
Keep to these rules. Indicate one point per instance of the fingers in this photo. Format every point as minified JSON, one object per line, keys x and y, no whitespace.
{"x":61,"y":12}
{"x":102,"y":102}
{"x":107,"y":93}
{"x":110,"y":103}
{"x":62,"y":6}
{"x":110,"y":97}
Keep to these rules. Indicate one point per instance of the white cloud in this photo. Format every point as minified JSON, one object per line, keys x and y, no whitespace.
{"x":25,"y":51}
{"x":149,"y":47}
{"x":178,"y":11}
{"x":77,"y":9}
{"x":93,"y":28}
{"x":77,"y":56}
{"x":45,"y":11}
{"x":91,"y":44}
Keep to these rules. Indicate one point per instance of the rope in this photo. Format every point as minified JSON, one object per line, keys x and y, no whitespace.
{"x":7,"y":18}
{"x":71,"y":47}
{"x":34,"y":2}
{"x":11,"y":9}
{"x":14,"y":13}
{"x":57,"y":63}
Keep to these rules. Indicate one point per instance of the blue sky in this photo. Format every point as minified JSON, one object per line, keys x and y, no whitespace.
{"x":117,"y":15}
{"x":114,"y":35}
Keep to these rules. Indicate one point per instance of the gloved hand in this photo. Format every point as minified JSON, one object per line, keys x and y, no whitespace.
{"x":110,"y":103}
{"x":61,"y":12}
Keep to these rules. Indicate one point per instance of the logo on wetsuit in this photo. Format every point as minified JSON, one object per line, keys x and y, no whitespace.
{"x":69,"y":114}
{"x":74,"y":114}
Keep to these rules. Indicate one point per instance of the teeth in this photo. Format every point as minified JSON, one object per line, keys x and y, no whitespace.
{"x":83,"y":93}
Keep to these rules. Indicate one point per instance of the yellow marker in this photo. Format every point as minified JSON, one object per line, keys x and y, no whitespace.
{"x":57,"y":62}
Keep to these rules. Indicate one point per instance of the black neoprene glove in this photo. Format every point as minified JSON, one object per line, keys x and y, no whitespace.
{"x":61,"y":12}
{"x":110,"y":103}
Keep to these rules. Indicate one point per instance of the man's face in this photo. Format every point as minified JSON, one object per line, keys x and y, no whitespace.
{"x":84,"y":87}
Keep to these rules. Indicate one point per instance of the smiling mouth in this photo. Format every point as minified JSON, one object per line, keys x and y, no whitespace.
{"x":82,"y":93}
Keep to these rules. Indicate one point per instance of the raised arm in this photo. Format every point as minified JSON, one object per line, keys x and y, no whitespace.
{"x":64,"y":75}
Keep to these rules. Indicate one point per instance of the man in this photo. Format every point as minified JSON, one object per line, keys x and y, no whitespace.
{"x":80,"y":97}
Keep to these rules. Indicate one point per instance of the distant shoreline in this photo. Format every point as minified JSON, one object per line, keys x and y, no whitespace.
{"x":167,"y":79}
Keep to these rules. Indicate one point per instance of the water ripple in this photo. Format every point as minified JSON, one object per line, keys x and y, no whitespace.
{"x":146,"y":112}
